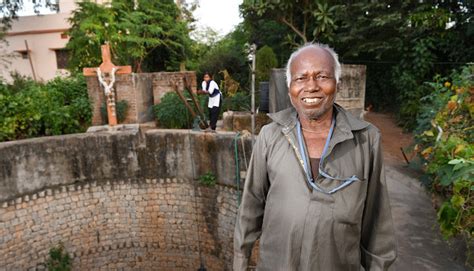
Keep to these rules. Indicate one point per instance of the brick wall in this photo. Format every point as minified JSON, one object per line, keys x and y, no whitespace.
{"x":141,"y":91}
{"x":163,"y":83}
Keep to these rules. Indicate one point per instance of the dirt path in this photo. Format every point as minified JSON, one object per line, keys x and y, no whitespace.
{"x":393,"y":138}
{"x":420,"y":244}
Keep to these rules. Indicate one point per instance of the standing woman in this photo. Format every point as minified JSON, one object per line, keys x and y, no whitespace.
{"x":210,"y":87}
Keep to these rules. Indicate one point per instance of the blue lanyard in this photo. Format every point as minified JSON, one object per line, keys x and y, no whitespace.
{"x":309,"y":177}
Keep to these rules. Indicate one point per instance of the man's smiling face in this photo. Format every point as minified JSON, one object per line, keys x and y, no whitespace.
{"x":313,"y":86}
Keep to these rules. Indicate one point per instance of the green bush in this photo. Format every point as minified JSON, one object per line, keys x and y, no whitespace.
{"x":239,"y":102}
{"x":265,"y":61}
{"x":444,"y":143}
{"x":208,"y":179}
{"x":31,"y":109}
{"x":121,"y":108}
{"x":59,"y":259}
{"x":172,"y":113}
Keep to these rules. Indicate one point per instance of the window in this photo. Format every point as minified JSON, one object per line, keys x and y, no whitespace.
{"x":22,"y":53}
{"x":62,"y":58}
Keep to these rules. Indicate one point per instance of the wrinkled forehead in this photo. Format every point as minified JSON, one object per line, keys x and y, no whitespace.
{"x":312,"y":60}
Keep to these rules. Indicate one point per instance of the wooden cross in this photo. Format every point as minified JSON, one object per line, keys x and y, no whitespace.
{"x":108,"y":68}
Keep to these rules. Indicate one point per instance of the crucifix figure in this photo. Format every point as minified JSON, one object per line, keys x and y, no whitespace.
{"x":108,"y":69}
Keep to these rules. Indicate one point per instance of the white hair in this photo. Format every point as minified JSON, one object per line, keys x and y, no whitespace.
{"x":337,"y":65}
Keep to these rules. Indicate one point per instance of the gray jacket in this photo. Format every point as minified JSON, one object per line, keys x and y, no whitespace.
{"x":303,"y":229}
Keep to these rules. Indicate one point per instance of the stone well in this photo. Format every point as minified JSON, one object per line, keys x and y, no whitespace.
{"x":119,"y":200}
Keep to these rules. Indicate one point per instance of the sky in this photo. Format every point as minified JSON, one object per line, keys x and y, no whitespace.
{"x":28,"y":9}
{"x":220,"y":15}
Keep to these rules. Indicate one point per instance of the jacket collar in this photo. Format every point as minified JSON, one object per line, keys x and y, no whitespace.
{"x":345,"y":122}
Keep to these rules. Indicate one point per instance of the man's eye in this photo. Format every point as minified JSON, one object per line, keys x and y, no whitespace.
{"x":300,"y":78}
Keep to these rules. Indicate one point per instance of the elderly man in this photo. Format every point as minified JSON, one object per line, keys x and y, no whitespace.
{"x":315,"y":192}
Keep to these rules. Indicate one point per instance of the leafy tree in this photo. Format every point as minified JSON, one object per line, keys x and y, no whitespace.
{"x":265,"y":62}
{"x":227,"y":54}
{"x":204,"y":40}
{"x":268,"y":32}
{"x":403,"y":43}
{"x":150,"y":35}
{"x":308,"y":20}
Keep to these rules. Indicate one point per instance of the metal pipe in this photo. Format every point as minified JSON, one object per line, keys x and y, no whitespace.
{"x":237,"y":167}
{"x":253,"y":49}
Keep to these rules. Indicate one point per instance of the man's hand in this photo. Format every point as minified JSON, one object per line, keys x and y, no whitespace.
{"x":200,"y":91}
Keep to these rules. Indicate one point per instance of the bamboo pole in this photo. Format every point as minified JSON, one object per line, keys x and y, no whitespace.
{"x":183,"y":99}
{"x":31,"y":61}
{"x":198,"y":107}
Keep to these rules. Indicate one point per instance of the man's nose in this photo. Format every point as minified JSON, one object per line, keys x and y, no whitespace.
{"x":312,"y":84}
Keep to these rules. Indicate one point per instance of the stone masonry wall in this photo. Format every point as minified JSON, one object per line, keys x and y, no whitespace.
{"x":131,"y":224}
{"x":118,"y":200}
{"x":351,"y":89}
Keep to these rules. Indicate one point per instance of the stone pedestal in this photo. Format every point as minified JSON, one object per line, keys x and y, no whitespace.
{"x":351,"y":89}
{"x":242,"y":121}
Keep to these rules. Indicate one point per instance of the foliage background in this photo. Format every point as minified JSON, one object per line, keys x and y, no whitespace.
{"x":402,"y":43}
{"x":445,"y":136}
{"x":149,"y":35}
{"x":31,"y":109}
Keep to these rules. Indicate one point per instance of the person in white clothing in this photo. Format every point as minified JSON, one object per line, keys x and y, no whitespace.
{"x":211,"y":88}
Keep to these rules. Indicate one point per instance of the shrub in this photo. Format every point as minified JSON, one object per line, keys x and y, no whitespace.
{"x":172,"y":113}
{"x":239,"y":102}
{"x":121,"y":108}
{"x":265,"y":61}
{"x":208,"y":179}
{"x":59,"y":259}
{"x":444,"y":142}
{"x":31,"y":109}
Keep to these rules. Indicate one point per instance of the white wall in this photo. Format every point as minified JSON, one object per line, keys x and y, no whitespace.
{"x":43,"y":34}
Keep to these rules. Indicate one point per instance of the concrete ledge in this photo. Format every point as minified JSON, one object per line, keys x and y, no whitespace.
{"x":27,"y":166}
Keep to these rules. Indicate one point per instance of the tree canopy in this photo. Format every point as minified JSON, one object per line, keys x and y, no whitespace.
{"x":149,"y":35}
{"x":402,"y":43}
